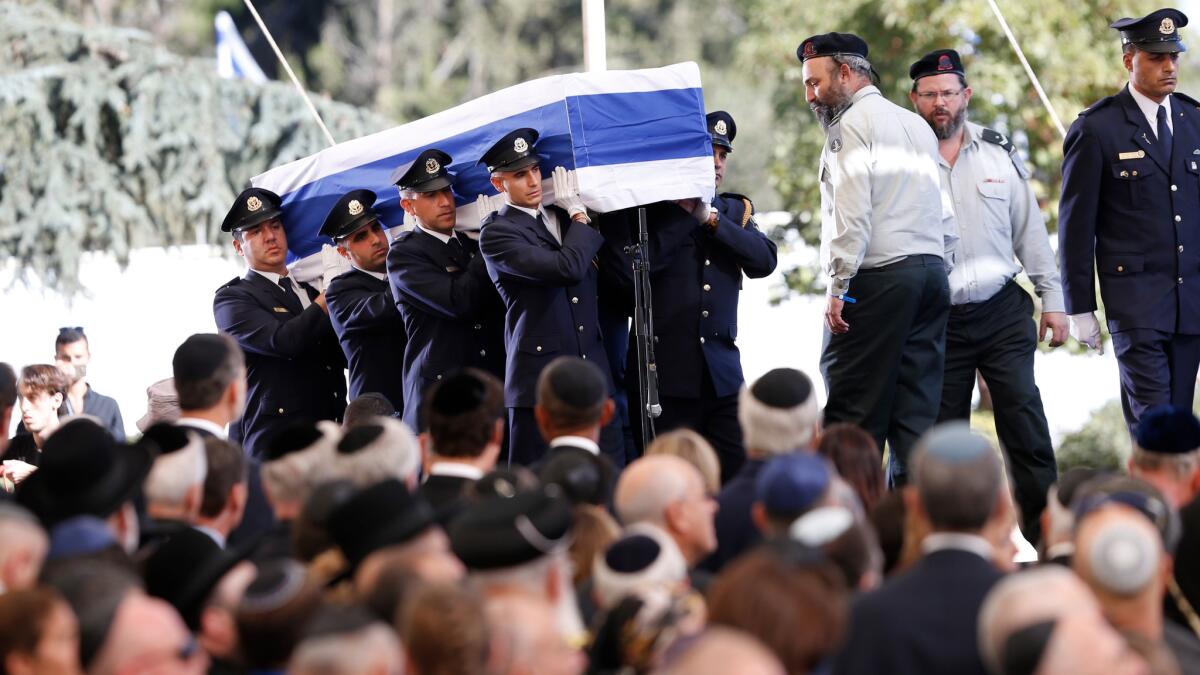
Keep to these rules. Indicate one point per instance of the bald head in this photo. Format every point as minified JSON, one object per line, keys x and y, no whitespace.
{"x":668,"y":492}
{"x":723,"y":650}
{"x":526,"y":638}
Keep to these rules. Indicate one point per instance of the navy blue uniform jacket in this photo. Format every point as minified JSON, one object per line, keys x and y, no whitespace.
{"x":294,"y":366}
{"x":371,"y":332}
{"x":1134,"y":215}
{"x":549,"y":291}
{"x":451,"y":312}
{"x":696,"y":278}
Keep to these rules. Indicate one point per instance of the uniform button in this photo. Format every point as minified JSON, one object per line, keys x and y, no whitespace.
{"x":483,"y":352}
{"x":707,"y":287}
{"x":439,"y":377}
{"x":328,"y":367}
{"x":707,"y":262}
{"x":574,"y":301}
{"x":704,"y":314}
{"x":655,"y":339}
{"x":1181,"y":248}
{"x":1174,"y":188}
{"x":281,"y":411}
{"x":585,"y":356}
{"x":478,"y":326}
{"x":701,"y":340}
{"x":1179,"y":280}
{"x":335,"y":395}
{"x":1120,"y":268}
{"x":1135,"y":173}
{"x":1178,"y":218}
{"x":580,"y":328}
{"x":539,"y":348}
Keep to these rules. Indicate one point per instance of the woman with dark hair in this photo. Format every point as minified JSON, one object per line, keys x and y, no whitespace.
{"x":857,"y":459}
{"x":38,"y":634}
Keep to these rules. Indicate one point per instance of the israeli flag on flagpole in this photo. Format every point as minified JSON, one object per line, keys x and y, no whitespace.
{"x":234,"y":61}
{"x":633,"y":137}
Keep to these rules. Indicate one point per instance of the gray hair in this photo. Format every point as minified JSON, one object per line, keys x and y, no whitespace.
{"x":958,"y":477}
{"x":1180,"y":467}
{"x":857,"y":64}
{"x":359,"y":652}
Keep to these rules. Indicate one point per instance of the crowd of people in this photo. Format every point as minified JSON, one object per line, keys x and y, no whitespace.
{"x":482,"y":493}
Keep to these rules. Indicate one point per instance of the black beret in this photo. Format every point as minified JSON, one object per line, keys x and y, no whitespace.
{"x":576,"y":382}
{"x":831,"y":44}
{"x":722,"y":128}
{"x":497,"y":532}
{"x":252,"y":207}
{"x":460,"y":393}
{"x":429,"y":172}
{"x":200,"y":356}
{"x":295,"y":437}
{"x":937,"y":62}
{"x":513,"y":151}
{"x":385,"y":514}
{"x":782,"y":388}
{"x":352,"y":211}
{"x":1158,"y":31}
{"x":1169,"y":430}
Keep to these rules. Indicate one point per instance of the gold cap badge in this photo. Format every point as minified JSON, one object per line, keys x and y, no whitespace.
{"x":355,"y":207}
{"x":1167,"y":27}
{"x":720,"y":127}
{"x":432,"y":166}
{"x":520,"y":145}
{"x":253,"y":203}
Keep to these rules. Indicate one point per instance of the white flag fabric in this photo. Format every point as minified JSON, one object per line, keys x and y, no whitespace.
{"x":234,"y":60}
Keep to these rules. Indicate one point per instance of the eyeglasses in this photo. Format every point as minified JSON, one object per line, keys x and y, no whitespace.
{"x":929,"y":96}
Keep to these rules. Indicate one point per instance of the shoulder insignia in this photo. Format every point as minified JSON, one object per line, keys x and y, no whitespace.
{"x":231,"y":283}
{"x":997,"y":138}
{"x":748,"y":206}
{"x":1187,"y":99}
{"x":1097,"y":105}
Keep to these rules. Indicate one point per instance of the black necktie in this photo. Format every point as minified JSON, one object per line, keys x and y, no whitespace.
{"x":290,"y":293}
{"x":1164,"y":134}
{"x":456,"y":250}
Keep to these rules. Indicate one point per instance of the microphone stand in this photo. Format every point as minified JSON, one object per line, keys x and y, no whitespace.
{"x":643,"y":327}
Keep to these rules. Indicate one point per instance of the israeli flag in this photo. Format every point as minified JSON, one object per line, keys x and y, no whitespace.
{"x":234,"y":61}
{"x":633,"y":137}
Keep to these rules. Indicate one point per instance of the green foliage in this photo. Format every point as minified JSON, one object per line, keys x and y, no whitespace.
{"x":113,"y":143}
{"x":1102,"y":443}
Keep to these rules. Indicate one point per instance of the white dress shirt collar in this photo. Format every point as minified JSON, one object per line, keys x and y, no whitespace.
{"x":444,"y":238}
{"x":1150,"y":109}
{"x":378,"y":275}
{"x":296,"y":287}
{"x":206,"y":425}
{"x":213,"y":534}
{"x":577,"y":442}
{"x":456,"y":469}
{"x":971,"y":543}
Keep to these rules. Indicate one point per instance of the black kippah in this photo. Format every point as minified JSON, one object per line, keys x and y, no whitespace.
{"x":632,"y":554}
{"x":782,"y":388}
{"x":460,"y":393}
{"x":166,"y":437}
{"x":291,"y":439}
{"x":577,"y":383}
{"x":1023,"y":649}
{"x":358,"y":438}
{"x":199,"y":356}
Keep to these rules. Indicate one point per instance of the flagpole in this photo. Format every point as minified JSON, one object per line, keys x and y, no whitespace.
{"x":595,"y":57}
{"x":295,"y":81}
{"x":1037,"y":85}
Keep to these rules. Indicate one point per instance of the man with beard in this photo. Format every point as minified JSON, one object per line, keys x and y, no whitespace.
{"x":990,"y":327}
{"x":886,"y":235}
{"x":361,"y":307}
{"x":1128,"y":212}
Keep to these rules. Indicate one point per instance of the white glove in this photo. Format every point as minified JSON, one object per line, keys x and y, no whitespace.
{"x":486,"y":205}
{"x":1086,"y":330}
{"x":332,"y":264}
{"x":566,"y":191}
{"x":702,"y":212}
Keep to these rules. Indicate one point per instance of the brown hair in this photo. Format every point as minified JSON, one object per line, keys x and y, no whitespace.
{"x":23,"y":616}
{"x":594,"y":529}
{"x":692,"y":448}
{"x":444,"y":630}
{"x":42,"y":378}
{"x":467,"y":433}
{"x":226,"y":468}
{"x":797,"y":609}
{"x":857,"y":459}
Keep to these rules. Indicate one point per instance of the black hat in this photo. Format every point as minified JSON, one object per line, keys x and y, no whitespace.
{"x":350,"y":212}
{"x":577,"y":382}
{"x":382,"y":515}
{"x":200,"y":356}
{"x":296,"y":437}
{"x":1156,"y":32}
{"x":722,"y":128}
{"x":429,"y":172}
{"x":505,"y":482}
{"x":585,"y":478}
{"x":83,"y":471}
{"x":184,"y":569}
{"x":497,"y":532}
{"x":1169,"y":430}
{"x":831,"y":44}
{"x":459,"y":393}
{"x":937,"y":62}
{"x":166,"y":437}
{"x":253,"y":206}
{"x":782,"y":388}
{"x":512,"y":152}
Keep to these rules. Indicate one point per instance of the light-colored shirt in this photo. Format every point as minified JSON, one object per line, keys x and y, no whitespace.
{"x":300,"y":292}
{"x":881,"y":198}
{"x":1150,"y":109}
{"x":578,"y":442}
{"x":212,"y":534}
{"x":444,"y":238}
{"x":378,"y":275}
{"x":207,"y":425}
{"x":999,"y":222}
{"x":941,"y":541}
{"x":456,"y":469}
{"x":548,"y":217}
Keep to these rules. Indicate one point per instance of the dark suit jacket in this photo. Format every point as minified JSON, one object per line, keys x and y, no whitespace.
{"x":257,"y":518}
{"x":371,"y":332}
{"x":445,"y":494}
{"x":451,"y":312}
{"x":549,"y":291}
{"x":294,"y":366}
{"x":696,"y":279}
{"x":736,"y":531}
{"x":1132,"y":217}
{"x":921,"y":622}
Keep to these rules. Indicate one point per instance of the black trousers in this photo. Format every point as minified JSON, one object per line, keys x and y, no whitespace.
{"x":1157,"y":368}
{"x":713,"y":417}
{"x":998,"y":337}
{"x":527,"y":447}
{"x":885,"y":374}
